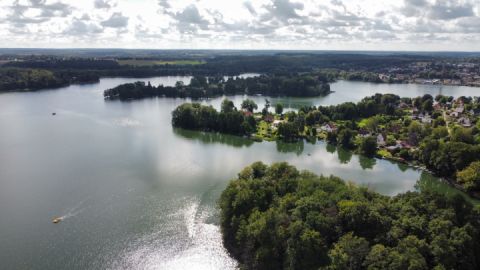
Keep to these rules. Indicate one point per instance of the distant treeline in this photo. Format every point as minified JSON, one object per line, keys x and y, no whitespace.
{"x":202,"y":87}
{"x":232,"y":64}
{"x":35,"y":79}
{"x":32,"y":72}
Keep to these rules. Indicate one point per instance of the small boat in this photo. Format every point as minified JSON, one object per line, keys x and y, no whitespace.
{"x":54,"y":113}
{"x":56,"y":220}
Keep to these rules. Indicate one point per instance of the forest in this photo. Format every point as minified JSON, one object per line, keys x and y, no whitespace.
{"x":14,"y":79}
{"x":16,"y":68}
{"x":194,"y":116}
{"x":276,"y":217}
{"x":293,"y":85}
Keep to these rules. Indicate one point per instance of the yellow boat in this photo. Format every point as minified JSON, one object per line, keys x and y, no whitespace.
{"x":56,"y":220}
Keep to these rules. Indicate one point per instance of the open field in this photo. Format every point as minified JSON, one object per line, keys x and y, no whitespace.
{"x":146,"y":62}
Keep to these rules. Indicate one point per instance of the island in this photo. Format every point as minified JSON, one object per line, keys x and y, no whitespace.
{"x":276,"y":217}
{"x":440,"y":134}
{"x":292,"y":85}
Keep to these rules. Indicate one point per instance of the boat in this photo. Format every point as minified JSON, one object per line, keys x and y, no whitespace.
{"x":54,"y":113}
{"x":56,"y":220}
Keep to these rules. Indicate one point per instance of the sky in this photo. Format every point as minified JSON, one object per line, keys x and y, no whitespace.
{"x":410,"y":25}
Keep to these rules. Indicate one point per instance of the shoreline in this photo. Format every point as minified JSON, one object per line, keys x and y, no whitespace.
{"x":450,"y":181}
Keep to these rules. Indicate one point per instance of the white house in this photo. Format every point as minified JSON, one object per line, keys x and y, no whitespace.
{"x":380,"y":140}
{"x":328,"y":128}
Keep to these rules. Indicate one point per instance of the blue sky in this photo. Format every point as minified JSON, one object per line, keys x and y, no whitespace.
{"x":245,"y":24}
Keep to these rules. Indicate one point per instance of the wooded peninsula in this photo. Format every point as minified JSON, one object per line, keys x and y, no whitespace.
{"x":441,"y":134}
{"x":275,"y":217}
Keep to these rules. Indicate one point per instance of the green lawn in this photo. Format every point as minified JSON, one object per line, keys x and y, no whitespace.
{"x":262,"y":131}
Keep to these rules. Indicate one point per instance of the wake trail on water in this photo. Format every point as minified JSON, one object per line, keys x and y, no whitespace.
{"x":74,"y":211}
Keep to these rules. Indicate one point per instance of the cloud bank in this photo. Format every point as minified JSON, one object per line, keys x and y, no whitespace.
{"x":243,"y":24}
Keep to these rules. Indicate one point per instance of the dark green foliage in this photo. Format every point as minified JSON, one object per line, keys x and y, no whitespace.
{"x":195,"y":116}
{"x":280,"y":85}
{"x":368,"y":146}
{"x":34,"y":79}
{"x":278,"y":108}
{"x":345,"y":137}
{"x":249,"y":105}
{"x":470,"y":176}
{"x":288,"y":131}
{"x":279,"y":218}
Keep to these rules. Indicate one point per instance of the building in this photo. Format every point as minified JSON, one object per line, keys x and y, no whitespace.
{"x":380,"y":140}
{"x":465,"y":122}
{"x":329,"y":127}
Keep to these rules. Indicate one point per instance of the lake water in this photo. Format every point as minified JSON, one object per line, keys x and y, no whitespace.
{"x":137,"y":194}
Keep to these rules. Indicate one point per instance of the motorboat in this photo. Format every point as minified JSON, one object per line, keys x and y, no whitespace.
{"x":56,"y":220}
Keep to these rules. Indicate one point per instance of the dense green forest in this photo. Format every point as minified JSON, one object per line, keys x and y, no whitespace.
{"x":202,"y":87}
{"x":194,"y":116}
{"x":35,"y":79}
{"x":275,"y":217}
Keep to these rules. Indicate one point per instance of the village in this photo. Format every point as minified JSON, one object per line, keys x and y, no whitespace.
{"x":396,"y":136}
{"x":436,"y":72}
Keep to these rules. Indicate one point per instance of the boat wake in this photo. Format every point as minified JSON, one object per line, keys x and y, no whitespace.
{"x":72,"y":212}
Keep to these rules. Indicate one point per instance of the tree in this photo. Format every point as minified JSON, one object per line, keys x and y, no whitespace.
{"x":275,"y":217}
{"x":266,"y":107}
{"x":288,"y":131}
{"x":278,"y":108}
{"x":349,"y":252}
{"x":249,"y":105}
{"x":345,"y":137}
{"x":368,"y":146}
{"x":470,"y":177}
{"x":427,"y":105}
{"x":227,"y":106}
{"x":461,"y":134}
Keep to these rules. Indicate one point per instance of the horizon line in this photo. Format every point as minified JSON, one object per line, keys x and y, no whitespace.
{"x":230,"y":49}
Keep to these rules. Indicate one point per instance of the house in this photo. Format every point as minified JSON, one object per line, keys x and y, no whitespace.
{"x":276,"y":123}
{"x":329,"y":127}
{"x":426,"y":119}
{"x":247,"y":113}
{"x":455,"y":82}
{"x":398,"y":145}
{"x":268,"y":118}
{"x":405,"y":144}
{"x":460,"y":109}
{"x":437,"y":106}
{"x":380,"y":140}
{"x":465,"y":122}
{"x":403,"y":105}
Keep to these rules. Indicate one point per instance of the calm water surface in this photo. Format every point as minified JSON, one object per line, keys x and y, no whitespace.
{"x":136,"y":193}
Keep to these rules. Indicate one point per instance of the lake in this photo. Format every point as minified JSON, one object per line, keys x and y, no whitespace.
{"x":136,"y":193}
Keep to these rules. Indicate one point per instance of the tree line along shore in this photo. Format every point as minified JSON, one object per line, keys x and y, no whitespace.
{"x":276,"y":217}
{"x":440,"y":134}
{"x":293,"y":85}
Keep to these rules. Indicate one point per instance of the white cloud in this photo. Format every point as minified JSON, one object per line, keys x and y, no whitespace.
{"x":117,"y":20}
{"x":237,"y":24}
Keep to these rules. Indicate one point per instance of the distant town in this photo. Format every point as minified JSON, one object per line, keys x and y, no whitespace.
{"x":451,"y":72}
